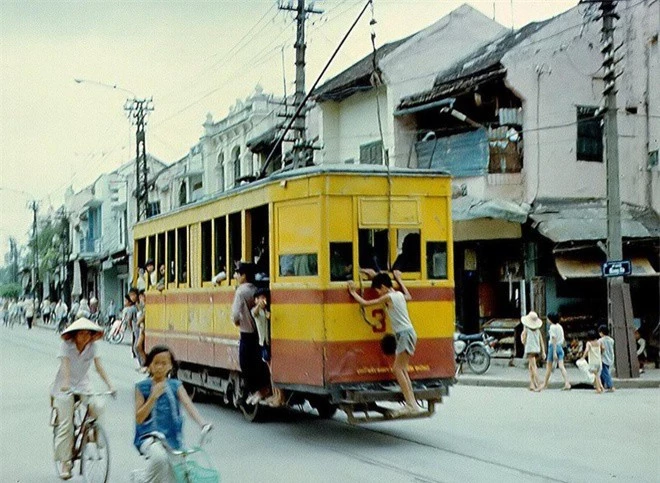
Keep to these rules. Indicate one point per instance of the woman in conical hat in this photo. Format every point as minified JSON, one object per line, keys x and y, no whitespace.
{"x":532,"y":339}
{"x":77,"y":353}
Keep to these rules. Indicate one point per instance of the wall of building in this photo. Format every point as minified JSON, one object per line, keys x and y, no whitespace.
{"x":564,"y":53}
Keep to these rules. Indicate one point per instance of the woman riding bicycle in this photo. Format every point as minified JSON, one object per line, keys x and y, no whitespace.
{"x":158,"y":401}
{"x":76,"y":355}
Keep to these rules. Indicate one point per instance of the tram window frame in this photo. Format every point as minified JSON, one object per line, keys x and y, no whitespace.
{"x":297,"y":258}
{"x":206,"y":251}
{"x":381,"y":262}
{"x":431,"y":260}
{"x":151,"y":248}
{"x":259,"y":231}
{"x":344,"y":250}
{"x":220,"y":247}
{"x":170,"y":260}
{"x":182,"y":271}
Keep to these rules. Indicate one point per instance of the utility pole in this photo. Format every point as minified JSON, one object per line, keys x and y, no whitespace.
{"x":34,"y":206}
{"x":13,"y":253}
{"x":137,"y":111}
{"x":302,"y":150}
{"x":619,"y":306}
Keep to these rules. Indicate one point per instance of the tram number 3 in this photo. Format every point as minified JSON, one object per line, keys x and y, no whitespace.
{"x":379,"y":315}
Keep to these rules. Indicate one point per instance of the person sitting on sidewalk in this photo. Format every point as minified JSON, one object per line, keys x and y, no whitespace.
{"x":555,"y":352}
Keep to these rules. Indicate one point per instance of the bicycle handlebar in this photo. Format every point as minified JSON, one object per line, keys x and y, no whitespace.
{"x":90,"y":394}
{"x":181,"y":452}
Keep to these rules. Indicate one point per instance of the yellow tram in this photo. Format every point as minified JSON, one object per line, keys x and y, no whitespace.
{"x":309,"y":231}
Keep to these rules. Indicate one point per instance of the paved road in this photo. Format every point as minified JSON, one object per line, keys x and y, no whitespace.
{"x":494,"y":434}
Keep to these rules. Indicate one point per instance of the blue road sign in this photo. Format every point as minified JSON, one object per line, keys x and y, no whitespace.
{"x":617,"y":268}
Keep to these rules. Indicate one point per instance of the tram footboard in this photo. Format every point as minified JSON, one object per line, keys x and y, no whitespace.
{"x":373,"y":402}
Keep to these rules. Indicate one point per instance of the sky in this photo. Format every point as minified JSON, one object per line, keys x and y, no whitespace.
{"x":193,"y":57}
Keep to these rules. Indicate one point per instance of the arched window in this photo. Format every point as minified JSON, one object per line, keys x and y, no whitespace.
{"x":221,"y":171}
{"x":236,"y":158}
{"x":183,"y":198}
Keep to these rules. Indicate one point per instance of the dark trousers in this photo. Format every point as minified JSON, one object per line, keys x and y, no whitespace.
{"x":254,"y":369}
{"x":29,"y":322}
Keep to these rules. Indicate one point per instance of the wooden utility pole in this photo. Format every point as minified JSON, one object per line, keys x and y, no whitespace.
{"x":619,"y":306}
{"x":302,"y":150}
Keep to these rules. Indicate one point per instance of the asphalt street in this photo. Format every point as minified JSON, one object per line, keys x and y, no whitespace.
{"x":478,"y":434}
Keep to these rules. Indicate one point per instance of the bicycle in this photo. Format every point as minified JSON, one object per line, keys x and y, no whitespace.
{"x":90,"y":444}
{"x":185,"y":468}
{"x":115,"y":335}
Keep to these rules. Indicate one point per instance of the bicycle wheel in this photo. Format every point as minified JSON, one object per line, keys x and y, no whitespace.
{"x":95,"y":455}
{"x":117,"y":337}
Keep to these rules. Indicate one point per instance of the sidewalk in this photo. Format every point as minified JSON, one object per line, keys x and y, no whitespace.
{"x":500,"y":374}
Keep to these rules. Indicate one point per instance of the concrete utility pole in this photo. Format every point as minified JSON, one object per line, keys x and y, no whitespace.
{"x":137,"y":110}
{"x":34,"y":206}
{"x":301,"y":148}
{"x":619,"y":307}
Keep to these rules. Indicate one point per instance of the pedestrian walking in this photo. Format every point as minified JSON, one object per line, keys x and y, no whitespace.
{"x":29,"y":308}
{"x":45,"y":311}
{"x":593,"y":353}
{"x":608,"y":357}
{"x":556,"y":341}
{"x":533,"y":341}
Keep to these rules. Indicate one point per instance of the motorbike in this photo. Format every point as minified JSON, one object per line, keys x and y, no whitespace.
{"x":475,"y":349}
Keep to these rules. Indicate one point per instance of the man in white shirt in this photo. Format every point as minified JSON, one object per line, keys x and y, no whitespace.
{"x":556,"y":342}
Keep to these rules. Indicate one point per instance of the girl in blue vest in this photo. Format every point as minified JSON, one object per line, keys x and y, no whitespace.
{"x":158,"y":401}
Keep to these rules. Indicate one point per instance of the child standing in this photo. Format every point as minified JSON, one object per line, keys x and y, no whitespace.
{"x":404,"y":332}
{"x":593,"y":353}
{"x":261,"y":315}
{"x":158,"y":401}
{"x":533,"y":341}
{"x":608,"y":357}
{"x":556,"y":342}
{"x":77,"y":353}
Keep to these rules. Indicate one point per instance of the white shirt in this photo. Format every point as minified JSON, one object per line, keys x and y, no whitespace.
{"x":556,"y":331}
{"x":79,"y":364}
{"x":398,"y":312}
{"x":29,"y":308}
{"x":261,"y":321}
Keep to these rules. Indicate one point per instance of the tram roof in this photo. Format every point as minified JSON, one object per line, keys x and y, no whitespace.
{"x":358,"y":169}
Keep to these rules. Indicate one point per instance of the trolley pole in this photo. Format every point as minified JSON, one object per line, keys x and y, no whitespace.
{"x":137,"y":111}
{"x":619,"y":306}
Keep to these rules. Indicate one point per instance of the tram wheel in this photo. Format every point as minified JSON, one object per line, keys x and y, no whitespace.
{"x":324,"y":407}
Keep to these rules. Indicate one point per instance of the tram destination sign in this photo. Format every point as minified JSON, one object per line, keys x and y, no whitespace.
{"x":617,"y":268}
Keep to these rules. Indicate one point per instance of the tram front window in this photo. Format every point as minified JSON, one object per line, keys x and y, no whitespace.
{"x":372,"y":246}
{"x":436,"y":260}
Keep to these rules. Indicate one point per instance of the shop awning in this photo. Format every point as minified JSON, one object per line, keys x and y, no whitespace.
{"x":573,"y":266}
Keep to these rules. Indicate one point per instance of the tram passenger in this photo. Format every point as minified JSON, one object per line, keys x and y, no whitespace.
{"x":410,"y":256}
{"x":406,"y":337}
{"x":252,"y":367}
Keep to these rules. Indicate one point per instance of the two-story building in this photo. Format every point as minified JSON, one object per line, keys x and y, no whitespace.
{"x":512,"y":116}
{"x":100,"y":218}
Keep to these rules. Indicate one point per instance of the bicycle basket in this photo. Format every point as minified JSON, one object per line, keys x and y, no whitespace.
{"x":191,"y":471}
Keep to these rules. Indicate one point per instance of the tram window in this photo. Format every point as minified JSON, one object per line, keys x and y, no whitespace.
{"x":171,"y":256}
{"x":151,"y":250}
{"x":260,"y":249}
{"x":141,"y":252}
{"x":436,"y":260}
{"x":207,"y":251}
{"x":160,"y":257}
{"x":182,"y":255}
{"x":372,"y":246}
{"x":220,"y":246}
{"x":341,"y":261}
{"x":409,"y":251}
{"x":235,"y":239}
{"x":299,"y":265}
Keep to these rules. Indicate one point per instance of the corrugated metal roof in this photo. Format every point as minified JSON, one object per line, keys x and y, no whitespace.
{"x":479,"y":67}
{"x":580,"y":220}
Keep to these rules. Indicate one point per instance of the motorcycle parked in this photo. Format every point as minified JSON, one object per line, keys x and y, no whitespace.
{"x":475,"y":349}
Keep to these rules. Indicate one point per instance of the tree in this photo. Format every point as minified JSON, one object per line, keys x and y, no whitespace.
{"x":10,"y":290}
